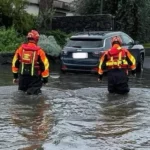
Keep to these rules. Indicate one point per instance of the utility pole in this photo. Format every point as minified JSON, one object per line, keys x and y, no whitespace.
{"x":101,"y":7}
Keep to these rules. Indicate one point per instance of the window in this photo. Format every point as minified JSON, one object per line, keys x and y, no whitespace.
{"x":107,"y":43}
{"x":85,"y":43}
{"x":126,"y":40}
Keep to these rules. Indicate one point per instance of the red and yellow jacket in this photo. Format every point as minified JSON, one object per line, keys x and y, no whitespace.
{"x":30,"y":59}
{"x":116,"y":57}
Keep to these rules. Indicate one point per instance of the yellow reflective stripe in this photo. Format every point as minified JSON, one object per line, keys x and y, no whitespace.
{"x":14,"y":60}
{"x":124,"y":62}
{"x":111,"y":58}
{"x":119,"y":48}
{"x":22,"y":67}
{"x":120,"y":59}
{"x":100,"y":71}
{"x":14,"y":68}
{"x":120,"y":56}
{"x":118,"y":63}
{"x":22,"y":64}
{"x":32,"y":67}
{"x":109,"y":63}
{"x":46,"y":64}
{"x":132,"y":59}
{"x":45,"y":73}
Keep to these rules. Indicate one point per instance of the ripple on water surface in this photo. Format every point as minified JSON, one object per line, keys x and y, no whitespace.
{"x":85,"y":119}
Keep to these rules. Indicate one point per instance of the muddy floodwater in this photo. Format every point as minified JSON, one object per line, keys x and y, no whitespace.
{"x":75,"y":112}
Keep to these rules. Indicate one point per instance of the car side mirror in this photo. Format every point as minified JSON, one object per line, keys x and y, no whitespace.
{"x":131,"y":43}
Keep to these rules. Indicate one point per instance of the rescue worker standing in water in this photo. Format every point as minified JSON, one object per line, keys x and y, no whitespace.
{"x":117,"y":61}
{"x":30,"y":65}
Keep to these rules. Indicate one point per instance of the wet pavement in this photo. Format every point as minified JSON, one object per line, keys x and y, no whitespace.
{"x":75,"y":112}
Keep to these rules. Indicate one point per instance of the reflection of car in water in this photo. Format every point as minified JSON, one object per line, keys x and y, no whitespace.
{"x":83,"y":50}
{"x":30,"y":115}
{"x":117,"y":116}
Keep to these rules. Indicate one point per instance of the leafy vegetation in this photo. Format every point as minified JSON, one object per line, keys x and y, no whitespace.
{"x":12,"y":13}
{"x":45,"y":15}
{"x":131,"y":16}
{"x":60,"y":36}
{"x":14,"y":20}
{"x":52,"y":42}
{"x":147,"y":45}
{"x":9,"y":40}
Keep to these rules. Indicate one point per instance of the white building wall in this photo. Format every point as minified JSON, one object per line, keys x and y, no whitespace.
{"x":34,"y":1}
{"x":33,"y":9}
{"x":68,"y":1}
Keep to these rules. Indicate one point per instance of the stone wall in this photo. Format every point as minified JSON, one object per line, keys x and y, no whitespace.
{"x":6,"y":58}
{"x":81,"y":23}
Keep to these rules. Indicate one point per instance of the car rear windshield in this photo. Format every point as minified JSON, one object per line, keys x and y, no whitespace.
{"x":85,"y":43}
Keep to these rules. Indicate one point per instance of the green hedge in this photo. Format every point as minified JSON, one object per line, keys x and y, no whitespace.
{"x":147,"y":45}
{"x":9,"y":39}
{"x":52,"y":41}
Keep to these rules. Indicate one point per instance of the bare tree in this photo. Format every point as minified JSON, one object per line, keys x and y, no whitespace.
{"x":46,"y":14}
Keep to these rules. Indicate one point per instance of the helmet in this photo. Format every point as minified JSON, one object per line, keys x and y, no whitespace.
{"x":116,"y":40}
{"x":33,"y":35}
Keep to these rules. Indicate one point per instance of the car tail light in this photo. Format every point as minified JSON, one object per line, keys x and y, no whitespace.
{"x":63,"y":67}
{"x":95,"y":69}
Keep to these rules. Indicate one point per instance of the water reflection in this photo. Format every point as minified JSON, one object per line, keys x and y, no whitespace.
{"x":116,"y":116}
{"x":31,"y":115}
{"x":75,"y":112}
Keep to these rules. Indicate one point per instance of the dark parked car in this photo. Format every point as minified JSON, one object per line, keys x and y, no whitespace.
{"x":83,"y":50}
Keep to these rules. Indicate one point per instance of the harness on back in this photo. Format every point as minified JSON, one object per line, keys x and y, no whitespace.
{"x":117,"y":59}
{"x":29,"y":60}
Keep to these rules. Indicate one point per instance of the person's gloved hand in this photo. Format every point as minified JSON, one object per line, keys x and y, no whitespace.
{"x":133,"y":72}
{"x":100,"y":76}
{"x":45,"y":80}
{"x":15,"y":80}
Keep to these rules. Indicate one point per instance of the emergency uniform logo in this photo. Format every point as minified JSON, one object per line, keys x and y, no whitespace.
{"x":27,"y":57}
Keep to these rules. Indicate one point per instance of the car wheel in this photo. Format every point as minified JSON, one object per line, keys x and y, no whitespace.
{"x":139,"y":67}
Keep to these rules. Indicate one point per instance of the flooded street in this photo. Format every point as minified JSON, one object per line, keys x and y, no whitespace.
{"x":75,"y":112}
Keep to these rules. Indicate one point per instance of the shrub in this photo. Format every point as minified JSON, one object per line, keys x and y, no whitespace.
{"x":24,"y":22}
{"x":13,"y":13}
{"x":60,"y":36}
{"x":9,"y":40}
{"x":49,"y":44}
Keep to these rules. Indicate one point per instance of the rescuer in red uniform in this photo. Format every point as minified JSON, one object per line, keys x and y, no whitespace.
{"x":117,"y":62}
{"x":30,"y":65}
